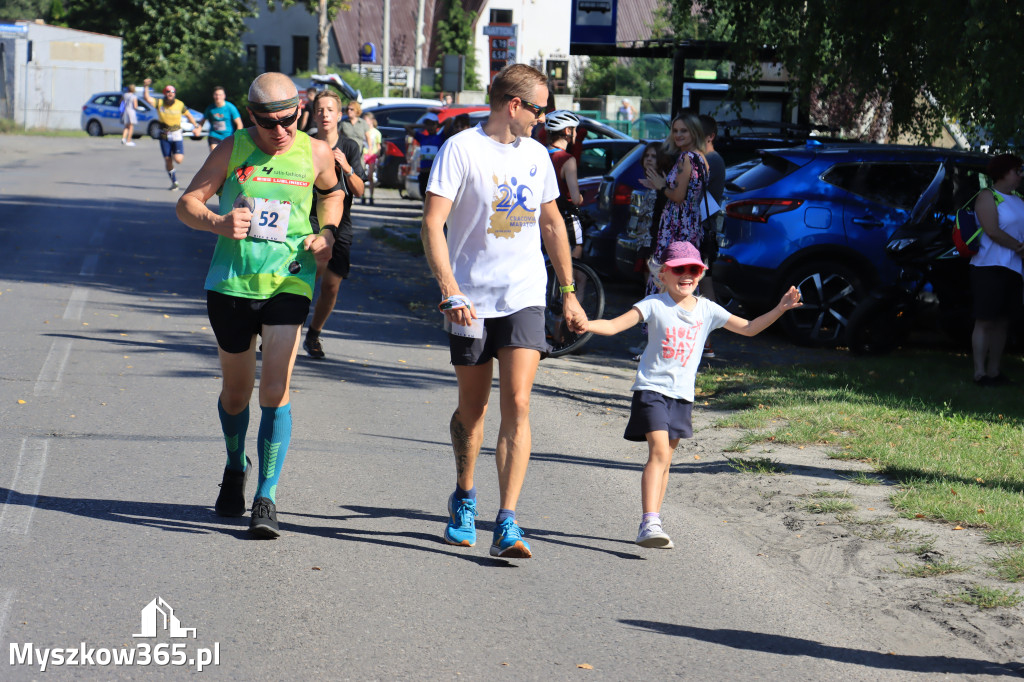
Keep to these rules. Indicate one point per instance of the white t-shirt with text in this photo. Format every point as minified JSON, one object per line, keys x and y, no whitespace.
{"x":493,"y":229}
{"x":675,"y":343}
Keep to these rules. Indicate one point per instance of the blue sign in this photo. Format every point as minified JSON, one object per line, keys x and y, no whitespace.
{"x":593,"y":22}
{"x":13,"y":28}
{"x":368,"y":53}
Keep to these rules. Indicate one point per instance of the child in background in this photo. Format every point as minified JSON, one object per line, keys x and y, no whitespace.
{"x":678,"y":324}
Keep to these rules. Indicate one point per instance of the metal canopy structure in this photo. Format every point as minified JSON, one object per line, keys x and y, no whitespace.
{"x":677,"y":51}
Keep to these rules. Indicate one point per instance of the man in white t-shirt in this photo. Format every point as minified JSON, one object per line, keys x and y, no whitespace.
{"x":496,"y":189}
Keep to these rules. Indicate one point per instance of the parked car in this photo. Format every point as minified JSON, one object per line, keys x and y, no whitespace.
{"x":626,"y":245}
{"x":101,"y":115}
{"x":819,"y":217}
{"x":391,"y":122}
{"x":606,"y":201}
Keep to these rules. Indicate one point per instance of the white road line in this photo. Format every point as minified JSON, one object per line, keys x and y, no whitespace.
{"x":16,"y":514}
{"x":89,"y":265}
{"x":6,"y":599}
{"x":97,"y":238}
{"x":76,"y":304}
{"x":53,"y":367}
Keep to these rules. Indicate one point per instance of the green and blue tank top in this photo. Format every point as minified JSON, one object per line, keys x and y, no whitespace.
{"x":261,"y":268}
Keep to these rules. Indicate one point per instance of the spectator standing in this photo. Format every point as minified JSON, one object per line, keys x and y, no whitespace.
{"x":713,"y":223}
{"x":996,"y":269}
{"x":376,"y":141}
{"x":354,"y":127}
{"x":682,"y":188}
{"x":129,"y":117}
{"x":429,"y":142}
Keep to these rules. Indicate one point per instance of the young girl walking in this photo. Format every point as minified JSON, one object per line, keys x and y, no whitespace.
{"x":678,"y":323}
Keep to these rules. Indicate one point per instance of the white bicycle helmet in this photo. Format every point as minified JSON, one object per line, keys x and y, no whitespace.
{"x":560,"y":120}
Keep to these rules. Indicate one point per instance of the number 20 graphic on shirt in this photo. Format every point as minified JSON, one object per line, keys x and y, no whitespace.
{"x":270,"y":220}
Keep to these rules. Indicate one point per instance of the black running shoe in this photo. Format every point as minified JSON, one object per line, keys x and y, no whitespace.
{"x":231,"y":500}
{"x":263,"y":523}
{"x":313,"y":347}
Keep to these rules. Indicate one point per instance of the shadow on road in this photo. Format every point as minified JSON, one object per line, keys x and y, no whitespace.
{"x":794,"y":646}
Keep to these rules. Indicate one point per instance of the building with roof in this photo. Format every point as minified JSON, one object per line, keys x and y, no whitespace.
{"x":48,"y":72}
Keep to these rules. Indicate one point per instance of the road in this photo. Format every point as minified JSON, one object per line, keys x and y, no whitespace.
{"x":110,"y":457}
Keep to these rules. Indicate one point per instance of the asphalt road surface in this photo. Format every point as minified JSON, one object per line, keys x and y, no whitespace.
{"x":111,"y":454}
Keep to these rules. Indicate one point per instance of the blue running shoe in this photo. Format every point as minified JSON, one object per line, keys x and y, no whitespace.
{"x":461,"y":528}
{"x":508,"y":541}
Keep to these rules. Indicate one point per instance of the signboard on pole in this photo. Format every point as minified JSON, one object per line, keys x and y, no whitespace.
{"x":501,"y":46}
{"x":593,"y":22}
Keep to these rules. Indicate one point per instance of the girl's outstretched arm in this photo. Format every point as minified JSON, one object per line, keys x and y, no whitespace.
{"x":790,"y":300}
{"x":628,"y":319}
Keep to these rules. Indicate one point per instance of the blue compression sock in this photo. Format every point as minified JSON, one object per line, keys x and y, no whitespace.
{"x":234,"y":427}
{"x":274,"y":435}
{"x":461,"y":494}
{"x":505,"y":514}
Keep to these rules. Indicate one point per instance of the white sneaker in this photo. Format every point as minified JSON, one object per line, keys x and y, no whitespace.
{"x":652,"y":535}
{"x":122,"y":140}
{"x":129,"y":144}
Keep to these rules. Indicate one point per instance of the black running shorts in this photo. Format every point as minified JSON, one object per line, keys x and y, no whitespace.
{"x":652,"y":411}
{"x":236,"y":320}
{"x":522,"y":329}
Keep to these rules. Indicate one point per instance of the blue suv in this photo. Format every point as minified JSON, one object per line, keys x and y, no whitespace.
{"x":819,"y":217}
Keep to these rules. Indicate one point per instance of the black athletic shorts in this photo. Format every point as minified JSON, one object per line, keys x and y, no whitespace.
{"x":997,"y":291}
{"x":652,"y":411}
{"x":522,"y":329}
{"x":235,"y":320}
{"x":340,"y":263}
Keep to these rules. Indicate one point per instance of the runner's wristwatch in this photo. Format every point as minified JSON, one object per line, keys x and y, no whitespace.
{"x":333,"y":229}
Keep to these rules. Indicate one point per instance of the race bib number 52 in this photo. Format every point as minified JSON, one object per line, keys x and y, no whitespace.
{"x":270,"y":219}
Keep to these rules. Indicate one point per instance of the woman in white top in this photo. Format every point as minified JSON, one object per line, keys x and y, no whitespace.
{"x":996,"y":272}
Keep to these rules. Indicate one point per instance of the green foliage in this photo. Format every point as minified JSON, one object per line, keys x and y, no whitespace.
{"x":166,"y":40}
{"x":454,"y":35}
{"x":917,"y":61}
{"x":13,"y":10}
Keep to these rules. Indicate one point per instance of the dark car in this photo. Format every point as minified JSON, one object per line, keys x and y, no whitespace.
{"x":819,"y":217}
{"x":606,"y":201}
{"x":391,"y":122}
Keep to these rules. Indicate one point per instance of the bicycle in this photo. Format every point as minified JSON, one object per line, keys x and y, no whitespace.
{"x":590,"y":294}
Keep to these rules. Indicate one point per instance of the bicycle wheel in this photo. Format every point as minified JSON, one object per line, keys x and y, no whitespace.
{"x":589,"y":292}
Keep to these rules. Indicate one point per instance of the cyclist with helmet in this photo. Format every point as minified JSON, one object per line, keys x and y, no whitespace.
{"x":561,"y":128}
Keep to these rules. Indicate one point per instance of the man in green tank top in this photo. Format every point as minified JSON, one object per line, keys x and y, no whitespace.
{"x":261,"y":276}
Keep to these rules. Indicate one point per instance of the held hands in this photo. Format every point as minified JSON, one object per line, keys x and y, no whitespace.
{"x":575,"y":317}
{"x":790,"y":300}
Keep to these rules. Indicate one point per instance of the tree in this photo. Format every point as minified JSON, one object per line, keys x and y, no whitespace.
{"x":454,"y":35}
{"x":166,"y":39}
{"x":325,"y":11}
{"x":50,"y":11}
{"x":925,"y":62}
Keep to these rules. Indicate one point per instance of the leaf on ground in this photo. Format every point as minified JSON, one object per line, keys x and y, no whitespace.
{"x":316,"y":568}
{"x":585,"y":666}
{"x":959,"y":528}
{"x":21,"y":402}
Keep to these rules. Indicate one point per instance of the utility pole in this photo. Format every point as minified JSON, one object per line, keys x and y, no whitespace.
{"x":420,"y":42}
{"x":386,"y":59}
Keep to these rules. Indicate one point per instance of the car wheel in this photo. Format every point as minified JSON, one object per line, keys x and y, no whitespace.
{"x":94,"y":128}
{"x":830,"y":292}
{"x":154,"y":130}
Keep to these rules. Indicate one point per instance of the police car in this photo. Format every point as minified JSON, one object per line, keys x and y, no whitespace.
{"x":101,"y":115}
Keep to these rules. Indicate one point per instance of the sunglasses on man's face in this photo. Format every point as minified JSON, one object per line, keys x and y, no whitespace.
{"x":534,"y":109}
{"x":693,"y":270}
{"x":271,"y":123}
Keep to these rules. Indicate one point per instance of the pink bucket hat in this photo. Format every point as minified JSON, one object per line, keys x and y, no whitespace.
{"x":682,"y":253}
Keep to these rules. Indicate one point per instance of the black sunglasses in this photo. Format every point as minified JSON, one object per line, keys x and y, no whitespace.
{"x":271,"y":123}
{"x":534,"y":109}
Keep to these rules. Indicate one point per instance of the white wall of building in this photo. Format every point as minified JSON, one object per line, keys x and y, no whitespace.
{"x":543,"y":32}
{"x":55,"y":70}
{"x":275,"y":31}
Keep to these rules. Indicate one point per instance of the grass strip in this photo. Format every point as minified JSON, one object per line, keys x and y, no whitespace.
{"x":954,"y":450}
